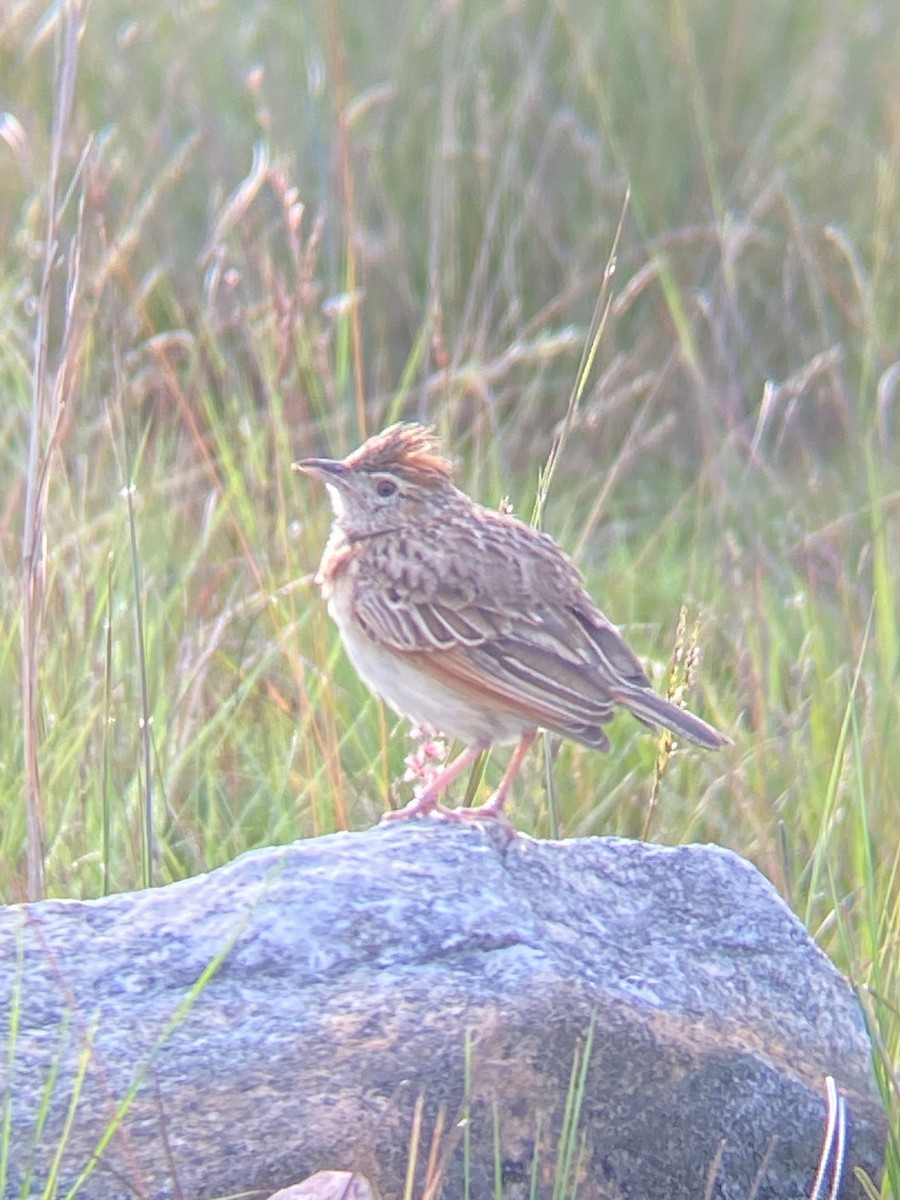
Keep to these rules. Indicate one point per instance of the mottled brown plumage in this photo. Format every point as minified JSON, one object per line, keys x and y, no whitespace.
{"x":467,"y":619}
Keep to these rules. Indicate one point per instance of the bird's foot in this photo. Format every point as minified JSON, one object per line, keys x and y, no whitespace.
{"x":420,"y":806}
{"x":427,"y":800}
{"x":492,"y":810}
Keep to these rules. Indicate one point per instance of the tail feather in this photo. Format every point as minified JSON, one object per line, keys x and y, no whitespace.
{"x":655,"y":710}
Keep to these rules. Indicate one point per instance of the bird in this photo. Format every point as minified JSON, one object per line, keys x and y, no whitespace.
{"x":468,"y":620}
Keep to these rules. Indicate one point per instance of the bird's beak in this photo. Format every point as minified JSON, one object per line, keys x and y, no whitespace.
{"x":327,"y":470}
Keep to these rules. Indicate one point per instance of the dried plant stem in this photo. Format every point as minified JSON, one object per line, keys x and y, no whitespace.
{"x":337,"y":56}
{"x":47,"y":399}
{"x":682,"y":671}
{"x":589,"y":354}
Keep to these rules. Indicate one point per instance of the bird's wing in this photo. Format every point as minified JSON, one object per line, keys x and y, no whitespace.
{"x":515,"y":629}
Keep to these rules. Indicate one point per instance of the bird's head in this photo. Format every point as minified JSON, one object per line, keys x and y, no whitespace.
{"x":395,"y":479}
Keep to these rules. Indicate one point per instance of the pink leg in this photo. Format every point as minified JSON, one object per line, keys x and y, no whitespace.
{"x":494,"y":806}
{"x":427,"y":799}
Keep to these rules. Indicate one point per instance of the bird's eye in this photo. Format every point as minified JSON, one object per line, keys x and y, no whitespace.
{"x":385,"y":488}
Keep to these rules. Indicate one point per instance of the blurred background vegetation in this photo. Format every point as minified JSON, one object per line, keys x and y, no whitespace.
{"x":274,"y":227}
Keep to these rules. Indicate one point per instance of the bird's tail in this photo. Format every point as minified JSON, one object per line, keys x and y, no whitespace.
{"x":655,"y":710}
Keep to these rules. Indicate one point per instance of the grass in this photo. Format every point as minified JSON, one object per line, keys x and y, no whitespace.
{"x":274,"y":228}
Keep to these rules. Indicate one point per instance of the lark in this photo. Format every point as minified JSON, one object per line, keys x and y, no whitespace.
{"x":468,"y":620}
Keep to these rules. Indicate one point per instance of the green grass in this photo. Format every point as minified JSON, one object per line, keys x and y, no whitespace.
{"x":280,"y":227}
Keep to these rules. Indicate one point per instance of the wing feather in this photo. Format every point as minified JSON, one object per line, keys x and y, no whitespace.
{"x":537,"y":664}
{"x":511,"y":627}
{"x":508,"y":693}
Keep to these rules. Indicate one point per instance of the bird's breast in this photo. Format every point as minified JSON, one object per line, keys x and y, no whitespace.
{"x":336,"y":564}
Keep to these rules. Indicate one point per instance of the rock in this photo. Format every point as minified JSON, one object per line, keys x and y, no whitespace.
{"x":328,"y":1185}
{"x":284,"y":1015}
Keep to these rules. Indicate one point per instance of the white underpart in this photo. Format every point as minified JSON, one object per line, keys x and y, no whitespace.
{"x":412,"y":693}
{"x":338,"y":506}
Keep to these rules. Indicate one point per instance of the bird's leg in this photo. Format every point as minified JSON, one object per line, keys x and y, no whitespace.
{"x":427,"y":799}
{"x":494,"y":806}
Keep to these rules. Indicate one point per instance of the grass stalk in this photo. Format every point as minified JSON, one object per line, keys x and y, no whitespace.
{"x":46,"y":411}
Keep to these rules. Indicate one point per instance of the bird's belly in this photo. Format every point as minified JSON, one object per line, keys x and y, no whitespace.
{"x":422,"y":695}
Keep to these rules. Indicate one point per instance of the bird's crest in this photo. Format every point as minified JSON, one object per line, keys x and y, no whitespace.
{"x":408,"y":450}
